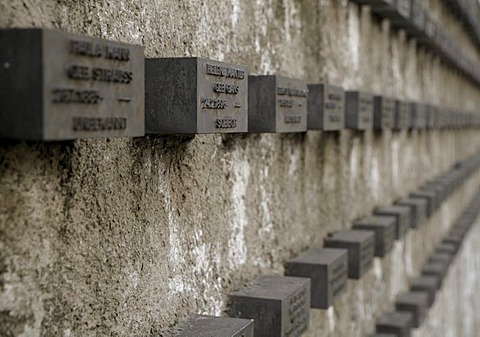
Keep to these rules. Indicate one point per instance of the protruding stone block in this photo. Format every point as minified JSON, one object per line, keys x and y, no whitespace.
{"x":327,"y":269}
{"x":279,"y":305}
{"x":383,"y":113}
{"x":326,"y":107}
{"x":401,"y":213}
{"x":402,"y":115}
{"x":358,"y":110}
{"x":427,"y":283}
{"x":57,"y":86}
{"x":418,"y":208}
{"x":385,"y":231}
{"x":277,"y":104}
{"x":415,"y":302}
{"x":399,"y":323}
{"x":195,"y":95}
{"x":361,"y":248}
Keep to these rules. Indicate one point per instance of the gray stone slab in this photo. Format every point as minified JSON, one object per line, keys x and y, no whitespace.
{"x":418,"y":115}
{"x":327,"y":269}
{"x":418,"y":210}
{"x":361,"y":249}
{"x":401,"y":213}
{"x":446,"y":247}
{"x":428,"y":283}
{"x":383,"y":113}
{"x":384,"y":228}
{"x":59,"y":86}
{"x":435,"y":268}
{"x":358,"y":110}
{"x":193,"y":95}
{"x":429,"y":196}
{"x":402,"y":115}
{"x":398,"y":322}
{"x":415,"y":302}
{"x":441,"y":257}
{"x":277,"y":104}
{"x":326,"y":107}
{"x":279,"y":305}
{"x":210,"y":326}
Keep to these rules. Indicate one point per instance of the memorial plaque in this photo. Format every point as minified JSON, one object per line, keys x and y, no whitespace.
{"x":428,"y":284}
{"x":358,"y":110}
{"x":453,"y":239}
{"x":402,"y":115}
{"x":190,"y":95}
{"x":277,"y":104}
{"x":441,"y":257}
{"x":279,"y":305}
{"x":448,"y":248}
{"x":399,"y":323}
{"x":58,"y":86}
{"x":429,"y":196}
{"x":439,"y":191}
{"x":402,"y":215}
{"x":415,"y":302}
{"x":383,"y":113}
{"x":210,"y":326}
{"x":327,"y":270}
{"x":385,"y":231}
{"x":418,"y":115}
{"x":361,"y":249}
{"x":431,"y":113}
{"x":418,"y":210}
{"x":435,"y":268}
{"x":326,"y":107}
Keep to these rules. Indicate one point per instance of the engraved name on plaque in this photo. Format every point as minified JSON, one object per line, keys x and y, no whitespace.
{"x":327,"y":269}
{"x":279,"y":305}
{"x":383,"y":113}
{"x":360,"y":245}
{"x":358,"y":110}
{"x":277,"y":104}
{"x":326,"y":107}
{"x":195,"y":95}
{"x":58,"y":86}
{"x":211,"y":326}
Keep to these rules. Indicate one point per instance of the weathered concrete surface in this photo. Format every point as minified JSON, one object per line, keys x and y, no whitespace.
{"x":129,"y":236}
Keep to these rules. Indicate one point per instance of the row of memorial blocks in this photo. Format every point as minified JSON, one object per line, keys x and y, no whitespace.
{"x":57,"y":85}
{"x":418,"y":23}
{"x":278,"y":306}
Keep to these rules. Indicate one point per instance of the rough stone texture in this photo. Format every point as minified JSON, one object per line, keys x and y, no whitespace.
{"x":130,"y":236}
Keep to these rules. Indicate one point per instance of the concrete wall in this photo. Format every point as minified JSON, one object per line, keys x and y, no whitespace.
{"x":129,"y":236}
